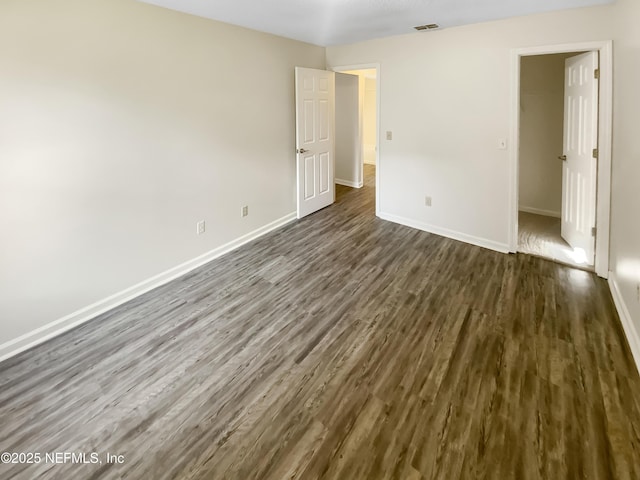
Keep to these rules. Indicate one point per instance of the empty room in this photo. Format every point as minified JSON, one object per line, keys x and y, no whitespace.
{"x":301,"y":240}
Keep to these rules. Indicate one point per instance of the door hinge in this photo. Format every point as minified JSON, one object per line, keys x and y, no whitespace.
{"x":595,"y":153}
{"x":594,"y":230}
{"x":596,"y":73}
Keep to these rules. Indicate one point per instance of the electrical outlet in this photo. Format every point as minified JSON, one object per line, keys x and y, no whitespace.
{"x":389,"y":135}
{"x":245,"y":211}
{"x":200,"y":227}
{"x":427,"y":201}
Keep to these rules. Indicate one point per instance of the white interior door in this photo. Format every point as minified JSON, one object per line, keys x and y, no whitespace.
{"x":315,"y":132}
{"x":579,"y":172}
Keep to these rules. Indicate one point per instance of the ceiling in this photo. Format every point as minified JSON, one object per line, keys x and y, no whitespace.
{"x":338,"y":22}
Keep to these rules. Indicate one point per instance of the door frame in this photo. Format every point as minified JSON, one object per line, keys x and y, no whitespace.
{"x":367,"y":66}
{"x":605,"y":130}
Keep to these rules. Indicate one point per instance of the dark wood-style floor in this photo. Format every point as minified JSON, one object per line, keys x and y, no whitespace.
{"x":340,"y":347}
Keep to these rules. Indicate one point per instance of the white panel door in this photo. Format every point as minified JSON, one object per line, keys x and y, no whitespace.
{"x":579,"y":172}
{"x":315,"y":130}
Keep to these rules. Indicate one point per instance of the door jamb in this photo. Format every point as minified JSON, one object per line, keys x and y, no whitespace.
{"x":605,"y":129}
{"x":366,"y":66}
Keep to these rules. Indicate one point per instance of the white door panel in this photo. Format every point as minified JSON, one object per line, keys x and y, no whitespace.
{"x":325,"y":172}
{"x":309,"y":176}
{"x":315,"y":106}
{"x":579,"y":172}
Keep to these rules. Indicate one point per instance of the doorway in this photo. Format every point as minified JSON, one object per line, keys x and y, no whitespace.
{"x":552,"y":217}
{"x":543,"y":130}
{"x":367,"y":163}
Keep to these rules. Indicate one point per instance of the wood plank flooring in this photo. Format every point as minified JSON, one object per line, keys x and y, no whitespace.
{"x":339,"y":347}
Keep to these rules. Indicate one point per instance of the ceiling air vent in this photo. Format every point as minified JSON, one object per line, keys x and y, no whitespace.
{"x":431,"y":26}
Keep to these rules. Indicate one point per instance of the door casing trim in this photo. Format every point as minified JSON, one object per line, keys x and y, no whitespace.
{"x":366,"y":66}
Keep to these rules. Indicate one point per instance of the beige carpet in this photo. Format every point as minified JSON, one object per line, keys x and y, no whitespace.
{"x":539,"y":235}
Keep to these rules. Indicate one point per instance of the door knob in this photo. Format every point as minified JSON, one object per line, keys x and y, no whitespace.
{"x":563,"y":157}
{"x":302,"y":150}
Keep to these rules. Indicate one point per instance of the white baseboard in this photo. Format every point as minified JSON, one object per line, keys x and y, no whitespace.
{"x":539,"y":211}
{"x":632,"y":334}
{"x":348,"y":183}
{"x":57,"y":327}
{"x":444,"y":232}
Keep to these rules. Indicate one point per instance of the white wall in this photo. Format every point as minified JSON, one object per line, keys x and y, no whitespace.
{"x":445,"y":98}
{"x":121,"y":125}
{"x":541,"y":128}
{"x":625,"y":222}
{"x":445,"y":95}
{"x":348,"y":137}
{"x":369,"y":121}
